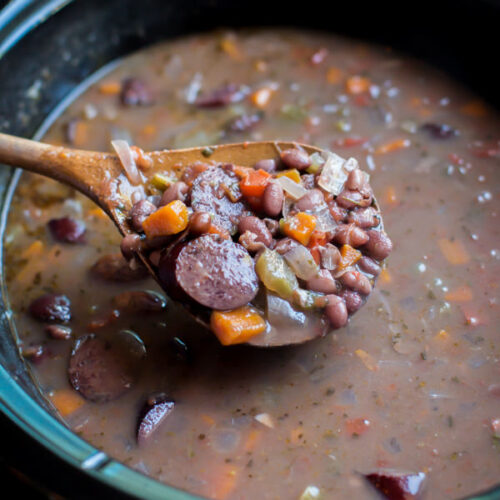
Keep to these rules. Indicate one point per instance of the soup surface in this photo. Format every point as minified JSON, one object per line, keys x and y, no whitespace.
{"x":412,"y":384}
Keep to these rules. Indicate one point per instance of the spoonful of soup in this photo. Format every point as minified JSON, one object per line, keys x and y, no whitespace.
{"x":264,"y":243}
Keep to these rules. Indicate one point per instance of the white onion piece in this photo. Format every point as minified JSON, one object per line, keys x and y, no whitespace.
{"x":294,"y":190}
{"x":127,"y":160}
{"x":265,"y":419}
{"x":302,"y":262}
{"x":324,"y":220}
{"x":335,"y":172}
{"x":280,"y":312}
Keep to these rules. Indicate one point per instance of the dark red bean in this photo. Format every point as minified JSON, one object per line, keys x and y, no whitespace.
{"x":330,"y":256}
{"x":139,"y":212}
{"x":295,"y":158}
{"x":379,"y":245}
{"x":130,"y":245}
{"x":135,"y":92}
{"x":323,"y":283}
{"x":356,"y":180}
{"x":244,"y":123}
{"x":58,"y":332}
{"x":394,"y":485}
{"x":356,"y":281}
{"x":51,"y":307}
{"x":285,"y":245}
{"x":140,"y":301}
{"x":156,"y":408}
{"x":177,"y":191}
{"x":67,"y":230}
{"x":256,"y":226}
{"x":35,"y":353}
{"x":350,"y":234}
{"x":351,"y":199}
{"x":336,"y":311}
{"x":268,"y":165}
{"x":439,"y":130}
{"x":272,"y":199}
{"x":220,"y":97}
{"x":115,"y":268}
{"x":337,"y":212}
{"x":200,"y":223}
{"x":353,"y":300}
{"x":310,"y":201}
{"x":364,"y":217}
{"x":249,"y":241}
{"x":272,"y":225}
{"x":369,"y":266}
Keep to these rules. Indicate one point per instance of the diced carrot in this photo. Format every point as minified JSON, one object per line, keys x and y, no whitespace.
{"x":357,"y":85}
{"x":219,"y":231}
{"x":255,"y":182}
{"x":261,"y":98}
{"x":318,"y":238}
{"x":334,"y":75}
{"x":391,"y":146}
{"x":348,"y":256}
{"x":368,"y":360}
{"x":236,"y":326}
{"x":350,"y":142}
{"x":385,"y":276}
{"x":454,"y":251}
{"x":241,"y":172}
{"x":149,"y":129}
{"x":390,"y":197}
{"x":252,"y":439}
{"x":34,"y":250}
{"x":169,"y":219}
{"x":475,"y":109}
{"x":291,"y":174}
{"x":110,"y":88}
{"x":296,"y":435}
{"x":224,"y":483}
{"x":300,"y":227}
{"x":66,"y":401}
{"x":461,"y":294}
{"x":208,"y":420}
{"x":357,"y":426}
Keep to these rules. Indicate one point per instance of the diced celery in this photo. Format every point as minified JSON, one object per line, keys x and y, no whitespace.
{"x":276,"y":275}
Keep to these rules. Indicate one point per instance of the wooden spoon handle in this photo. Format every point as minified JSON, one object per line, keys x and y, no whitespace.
{"x":87,"y":171}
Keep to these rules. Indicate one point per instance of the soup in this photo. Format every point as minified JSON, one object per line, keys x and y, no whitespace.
{"x":402,"y":400}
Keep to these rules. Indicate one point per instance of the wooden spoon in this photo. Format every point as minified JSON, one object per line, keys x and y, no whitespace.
{"x":102,"y":178}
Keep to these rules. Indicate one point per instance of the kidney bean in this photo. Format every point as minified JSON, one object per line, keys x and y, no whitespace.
{"x":139,"y":301}
{"x":272,"y":225}
{"x":350,"y":234}
{"x":356,"y":281}
{"x":51,"y":307}
{"x":130,"y":245}
{"x":258,"y":227}
{"x":330,"y":256}
{"x":368,"y":265}
{"x":351,"y":199}
{"x":244,"y":123}
{"x":310,"y":201}
{"x":177,"y":191}
{"x":295,"y":158}
{"x":364,"y":217}
{"x":135,"y":92}
{"x":221,"y":96}
{"x":35,"y":353}
{"x":268,"y":165}
{"x":115,"y":268}
{"x":337,"y":212}
{"x":322,"y":283}
{"x":336,"y":311}
{"x":249,"y":241}
{"x":285,"y":245}
{"x":58,"y":332}
{"x":356,"y":180}
{"x":67,"y":230}
{"x":379,"y":245}
{"x":200,"y":223}
{"x":139,"y":212}
{"x":272,"y":200}
{"x":353,"y":300}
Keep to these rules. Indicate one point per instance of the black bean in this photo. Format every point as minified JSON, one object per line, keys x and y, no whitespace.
{"x":379,"y":245}
{"x":176,"y":191}
{"x":295,"y":158}
{"x":244,"y":122}
{"x":220,"y":97}
{"x":272,"y":199}
{"x":257,"y":226}
{"x":67,"y":230}
{"x":268,"y":165}
{"x":51,"y":307}
{"x":310,"y":201}
{"x":135,"y":92}
{"x":439,"y":130}
{"x":336,"y":311}
{"x":58,"y":332}
{"x":139,"y":212}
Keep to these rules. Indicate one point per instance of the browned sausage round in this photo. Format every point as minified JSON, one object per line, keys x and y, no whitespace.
{"x":212,"y":271}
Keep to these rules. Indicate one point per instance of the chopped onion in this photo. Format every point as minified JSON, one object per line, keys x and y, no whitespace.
{"x":335,"y":172}
{"x":127,"y":160}
{"x":280,"y":312}
{"x":324,"y":220}
{"x":301,"y":261}
{"x":265,"y":419}
{"x":293,"y":189}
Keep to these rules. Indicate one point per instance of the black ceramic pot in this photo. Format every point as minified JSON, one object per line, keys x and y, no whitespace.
{"x":59,"y":43}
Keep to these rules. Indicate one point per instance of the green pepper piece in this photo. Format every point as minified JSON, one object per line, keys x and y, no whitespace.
{"x":276,"y":275}
{"x":161,"y":182}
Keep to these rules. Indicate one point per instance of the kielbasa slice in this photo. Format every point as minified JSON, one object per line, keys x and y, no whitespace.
{"x":212,"y":271}
{"x":217,"y":192}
